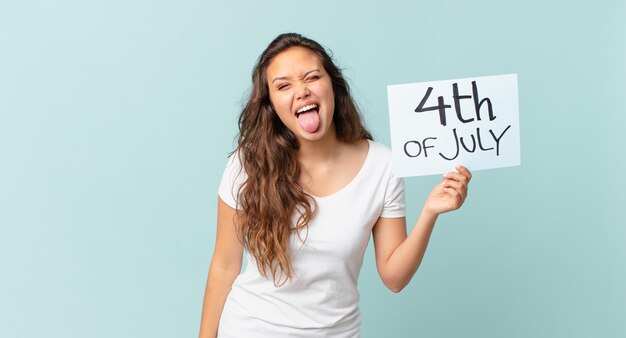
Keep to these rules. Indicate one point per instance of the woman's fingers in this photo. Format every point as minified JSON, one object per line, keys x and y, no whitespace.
{"x":463,"y":171}
{"x":453,"y":184}
{"x":457,"y":180}
{"x":451,"y":192}
{"x":459,"y":188}
{"x":457,"y":177}
{"x":457,"y":198}
{"x":463,"y":175}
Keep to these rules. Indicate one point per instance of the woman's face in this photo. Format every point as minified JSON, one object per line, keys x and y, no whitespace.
{"x":301,"y":93}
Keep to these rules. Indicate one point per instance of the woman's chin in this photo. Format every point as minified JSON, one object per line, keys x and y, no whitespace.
{"x":320,"y":134}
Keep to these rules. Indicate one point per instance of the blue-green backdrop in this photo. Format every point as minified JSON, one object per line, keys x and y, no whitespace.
{"x":116,"y":117}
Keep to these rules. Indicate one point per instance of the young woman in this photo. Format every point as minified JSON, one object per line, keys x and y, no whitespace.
{"x":301,"y":194}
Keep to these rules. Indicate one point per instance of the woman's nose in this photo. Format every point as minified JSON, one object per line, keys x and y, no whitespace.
{"x":302,"y":91}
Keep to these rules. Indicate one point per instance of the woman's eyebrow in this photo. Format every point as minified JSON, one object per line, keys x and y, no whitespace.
{"x":286,"y":77}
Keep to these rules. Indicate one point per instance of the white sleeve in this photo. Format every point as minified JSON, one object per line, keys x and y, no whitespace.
{"x":232,"y":179}
{"x":394,"y":204}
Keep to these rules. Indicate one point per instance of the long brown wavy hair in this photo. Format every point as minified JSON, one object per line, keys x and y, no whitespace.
{"x":271,"y":196}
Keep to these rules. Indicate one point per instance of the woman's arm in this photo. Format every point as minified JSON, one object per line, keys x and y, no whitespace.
{"x":397,"y":255}
{"x":225,"y":267}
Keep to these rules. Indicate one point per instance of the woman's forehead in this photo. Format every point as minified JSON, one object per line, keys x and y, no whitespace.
{"x":293,"y":62}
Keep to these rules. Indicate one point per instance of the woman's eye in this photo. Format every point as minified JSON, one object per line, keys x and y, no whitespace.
{"x":283,"y":86}
{"x":313,"y":78}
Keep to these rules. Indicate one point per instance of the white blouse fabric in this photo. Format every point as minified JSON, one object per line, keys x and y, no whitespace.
{"x":321,"y":299}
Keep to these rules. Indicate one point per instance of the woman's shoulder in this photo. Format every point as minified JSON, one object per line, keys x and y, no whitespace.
{"x":379,"y":150}
{"x":232,"y":178}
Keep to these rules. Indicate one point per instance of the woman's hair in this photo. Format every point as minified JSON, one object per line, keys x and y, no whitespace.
{"x":271,"y":197}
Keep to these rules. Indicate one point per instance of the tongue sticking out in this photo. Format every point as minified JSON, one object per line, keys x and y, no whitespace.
{"x":309,"y":121}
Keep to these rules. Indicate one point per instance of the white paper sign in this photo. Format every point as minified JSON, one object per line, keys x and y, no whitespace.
{"x":437,"y":125}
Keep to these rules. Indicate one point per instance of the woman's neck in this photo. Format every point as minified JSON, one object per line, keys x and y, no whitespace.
{"x":321,"y":151}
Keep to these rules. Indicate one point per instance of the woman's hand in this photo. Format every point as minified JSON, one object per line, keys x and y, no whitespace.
{"x":450,"y":193}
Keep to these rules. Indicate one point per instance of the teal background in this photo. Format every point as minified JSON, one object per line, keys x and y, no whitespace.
{"x":116,"y":118}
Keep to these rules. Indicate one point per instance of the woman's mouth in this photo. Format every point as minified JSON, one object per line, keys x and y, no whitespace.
{"x":308,"y":118}
{"x":306,"y":108}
